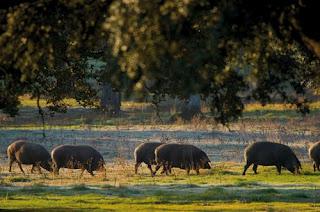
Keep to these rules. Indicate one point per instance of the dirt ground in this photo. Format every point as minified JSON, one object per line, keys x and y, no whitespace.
{"x":120,"y":143}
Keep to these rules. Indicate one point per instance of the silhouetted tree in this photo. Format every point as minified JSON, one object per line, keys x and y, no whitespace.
{"x":225,"y":50}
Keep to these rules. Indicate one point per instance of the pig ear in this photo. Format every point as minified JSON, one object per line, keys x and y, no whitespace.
{"x":308,"y":144}
{"x":206,"y":159}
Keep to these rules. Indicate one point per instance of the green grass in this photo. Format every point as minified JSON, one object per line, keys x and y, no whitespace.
{"x":134,"y":114}
{"x":222,"y":188}
{"x":277,"y":107}
{"x":26,"y":101}
{"x":215,"y":190}
{"x":18,"y":179}
{"x":275,"y":114}
{"x":231,"y":174}
{"x":212,"y":198}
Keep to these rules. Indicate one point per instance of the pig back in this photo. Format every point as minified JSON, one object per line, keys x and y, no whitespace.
{"x":28,"y":153}
{"x":145,"y":152}
{"x":178,"y":155}
{"x":314,"y":151}
{"x":268,"y":153}
{"x":76,"y":157}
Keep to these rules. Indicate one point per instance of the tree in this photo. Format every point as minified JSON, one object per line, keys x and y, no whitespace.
{"x":110,"y":99}
{"x":192,"y":107}
{"x":45,"y":55}
{"x":226,"y":50}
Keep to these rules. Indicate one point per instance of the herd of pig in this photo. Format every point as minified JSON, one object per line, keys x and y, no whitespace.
{"x":165,"y":155}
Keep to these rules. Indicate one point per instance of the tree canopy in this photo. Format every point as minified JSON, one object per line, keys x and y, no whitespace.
{"x":228,"y":51}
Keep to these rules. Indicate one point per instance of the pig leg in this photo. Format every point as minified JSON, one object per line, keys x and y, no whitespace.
{"x":81,"y":174}
{"x":254,"y":168}
{"x":39,"y":169}
{"x":318,"y":166}
{"x":188,"y":171}
{"x":157,"y":168}
{"x":150,"y":168}
{"x":314,"y":167}
{"x":245,"y":168}
{"x":197,"y":170}
{"x":167,"y":169}
{"x":55,"y":169}
{"x":278,"y":169}
{"x":91,"y":173}
{"x":136,"y":167}
{"x":19,"y":164}
{"x":10,"y":165}
{"x":32,"y":169}
{"x":164,"y":170}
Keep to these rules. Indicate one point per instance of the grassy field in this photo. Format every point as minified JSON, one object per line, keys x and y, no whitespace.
{"x":143,"y":114}
{"x":221,"y":188}
{"x":212,"y":199}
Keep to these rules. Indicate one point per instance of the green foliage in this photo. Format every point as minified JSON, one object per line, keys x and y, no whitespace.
{"x":227,"y":52}
{"x":43,"y":42}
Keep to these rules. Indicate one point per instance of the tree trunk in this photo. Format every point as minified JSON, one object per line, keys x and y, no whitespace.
{"x":110,"y":99}
{"x":191,"y":107}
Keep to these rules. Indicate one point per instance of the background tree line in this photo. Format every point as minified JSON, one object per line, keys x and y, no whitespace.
{"x":227,"y":51}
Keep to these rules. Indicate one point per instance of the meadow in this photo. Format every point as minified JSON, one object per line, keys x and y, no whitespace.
{"x":221,"y":188}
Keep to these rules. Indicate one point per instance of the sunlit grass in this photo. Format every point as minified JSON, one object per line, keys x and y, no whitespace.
{"x":277,"y":107}
{"x":315,"y":105}
{"x":158,"y":197}
{"x":130,"y":105}
{"x":145,"y":203}
{"x":222,"y":174}
{"x":27,"y":101}
{"x":138,"y":114}
{"x":230,"y":174}
{"x":222,"y":188}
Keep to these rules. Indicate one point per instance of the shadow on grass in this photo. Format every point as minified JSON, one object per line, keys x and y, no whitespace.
{"x":175,"y":194}
{"x":275,"y":114}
